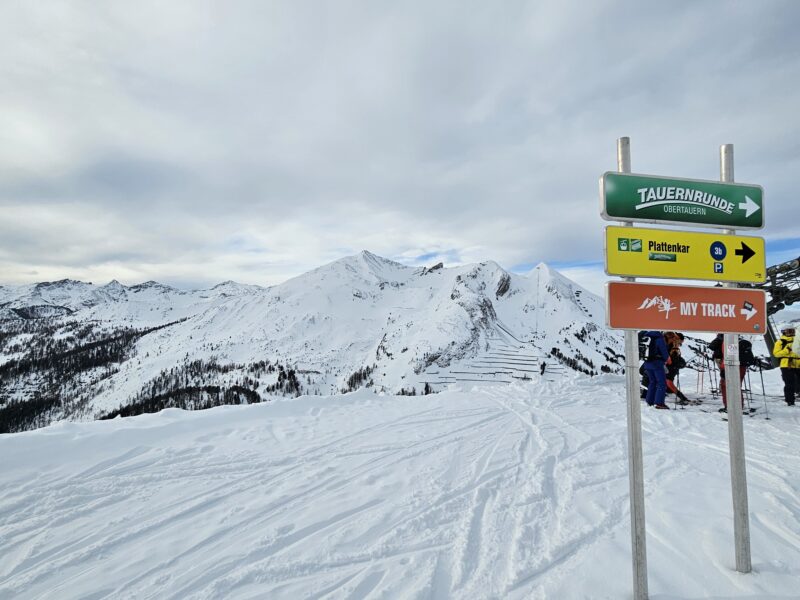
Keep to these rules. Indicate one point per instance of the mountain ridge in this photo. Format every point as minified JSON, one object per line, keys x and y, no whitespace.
{"x":361,"y":320}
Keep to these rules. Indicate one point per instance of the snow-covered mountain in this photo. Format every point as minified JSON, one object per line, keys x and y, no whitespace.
{"x":145,"y":304}
{"x":359,"y":321}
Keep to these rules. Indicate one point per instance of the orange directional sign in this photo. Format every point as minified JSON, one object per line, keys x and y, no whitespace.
{"x":685,"y":308}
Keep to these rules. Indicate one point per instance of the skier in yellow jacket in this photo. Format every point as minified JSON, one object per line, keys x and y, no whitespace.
{"x":790,"y":364}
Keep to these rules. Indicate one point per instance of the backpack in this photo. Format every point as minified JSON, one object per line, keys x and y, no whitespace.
{"x":715,"y":346}
{"x":644,"y":344}
{"x":647,"y":346}
{"x":746,"y":356}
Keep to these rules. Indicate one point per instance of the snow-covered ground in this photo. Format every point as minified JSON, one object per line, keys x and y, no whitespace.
{"x":516,"y":491}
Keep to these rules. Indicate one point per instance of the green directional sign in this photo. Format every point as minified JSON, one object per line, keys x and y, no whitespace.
{"x":653,"y":199}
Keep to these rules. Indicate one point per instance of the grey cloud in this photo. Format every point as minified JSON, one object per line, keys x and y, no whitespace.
{"x":124,"y":176}
{"x":312,"y":130}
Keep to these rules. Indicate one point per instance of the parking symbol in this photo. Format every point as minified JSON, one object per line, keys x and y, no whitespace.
{"x":717,"y":267}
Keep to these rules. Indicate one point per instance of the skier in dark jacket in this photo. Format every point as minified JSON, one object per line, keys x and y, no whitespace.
{"x":654,"y":366}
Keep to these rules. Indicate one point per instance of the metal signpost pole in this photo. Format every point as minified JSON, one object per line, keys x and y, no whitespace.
{"x":741,"y":523}
{"x":635,"y":462}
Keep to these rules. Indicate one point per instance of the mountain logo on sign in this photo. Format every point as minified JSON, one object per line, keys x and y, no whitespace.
{"x":660,"y":303}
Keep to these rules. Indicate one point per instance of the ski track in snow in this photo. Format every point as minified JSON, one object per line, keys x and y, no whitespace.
{"x":506,"y":492}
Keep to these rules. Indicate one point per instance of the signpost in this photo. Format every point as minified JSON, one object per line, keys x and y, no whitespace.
{"x":634,"y":252}
{"x":741,"y":518}
{"x":685,"y":308}
{"x":652,"y":199}
{"x":634,"y":422}
{"x":637,"y":252}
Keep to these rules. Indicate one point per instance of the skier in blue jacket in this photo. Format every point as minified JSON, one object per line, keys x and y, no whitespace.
{"x":656,"y":359}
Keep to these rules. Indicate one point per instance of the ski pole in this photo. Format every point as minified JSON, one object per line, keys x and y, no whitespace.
{"x":702,"y":383}
{"x":711,"y":382}
{"x":705,"y":373}
{"x":749,"y":393}
{"x":713,"y":370}
{"x":763,"y":392}
{"x":698,"y":382}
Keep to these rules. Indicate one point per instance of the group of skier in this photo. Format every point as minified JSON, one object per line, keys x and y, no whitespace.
{"x":660,"y":352}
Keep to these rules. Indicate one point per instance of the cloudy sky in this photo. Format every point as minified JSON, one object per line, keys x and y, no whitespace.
{"x":194,"y":142}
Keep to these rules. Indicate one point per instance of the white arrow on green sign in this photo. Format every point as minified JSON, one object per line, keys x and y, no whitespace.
{"x":653,"y":199}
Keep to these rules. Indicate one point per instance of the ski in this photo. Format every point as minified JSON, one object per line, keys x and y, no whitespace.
{"x":690,"y":403}
{"x":745,"y":413}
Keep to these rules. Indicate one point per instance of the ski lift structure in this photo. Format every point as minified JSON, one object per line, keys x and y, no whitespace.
{"x":783,"y":286}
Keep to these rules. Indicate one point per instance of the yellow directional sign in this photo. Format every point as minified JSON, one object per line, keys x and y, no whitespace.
{"x":637,"y":252}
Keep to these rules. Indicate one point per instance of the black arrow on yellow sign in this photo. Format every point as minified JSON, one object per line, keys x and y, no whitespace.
{"x":746,"y":252}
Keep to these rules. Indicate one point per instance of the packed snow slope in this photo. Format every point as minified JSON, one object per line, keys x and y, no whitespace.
{"x":359,"y":321}
{"x":518,"y":491}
